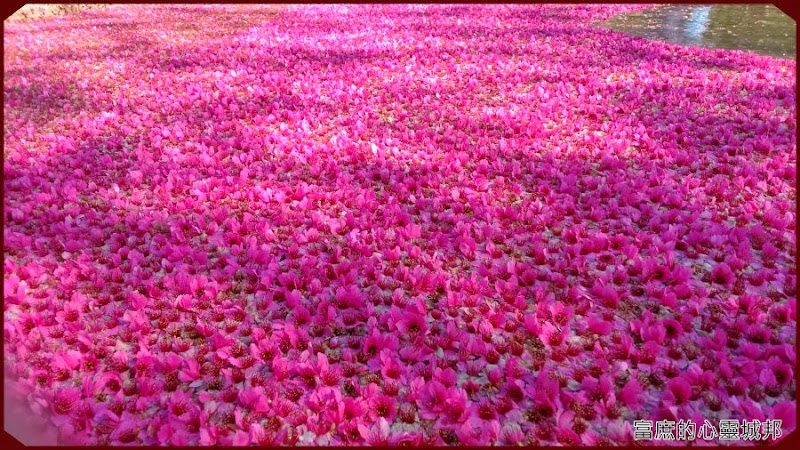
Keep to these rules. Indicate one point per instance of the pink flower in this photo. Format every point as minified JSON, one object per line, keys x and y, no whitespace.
{"x":631,"y":393}
{"x":382,"y":406}
{"x":391,"y":369}
{"x":786,"y":412}
{"x":722,"y":274}
{"x":126,"y":433}
{"x":377,"y":435}
{"x":553,"y":335}
{"x":66,"y":401}
{"x":679,"y":391}
{"x":478,"y":432}
{"x":598,"y":326}
{"x":432,"y":401}
{"x":411,"y":325}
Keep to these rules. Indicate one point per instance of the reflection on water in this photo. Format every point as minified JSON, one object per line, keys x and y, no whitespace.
{"x":762,"y":29}
{"x":698,"y":23}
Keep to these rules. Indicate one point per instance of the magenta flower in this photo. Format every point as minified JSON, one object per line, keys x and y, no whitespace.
{"x":722,"y":274}
{"x":382,"y":406}
{"x":65,"y":401}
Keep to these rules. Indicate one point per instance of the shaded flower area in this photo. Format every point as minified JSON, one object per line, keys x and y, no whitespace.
{"x":392,"y":224}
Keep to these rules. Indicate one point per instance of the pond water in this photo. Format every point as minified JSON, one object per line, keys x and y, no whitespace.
{"x":763,"y":29}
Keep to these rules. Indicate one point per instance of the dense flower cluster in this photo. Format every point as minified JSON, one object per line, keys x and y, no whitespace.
{"x":392,"y":224}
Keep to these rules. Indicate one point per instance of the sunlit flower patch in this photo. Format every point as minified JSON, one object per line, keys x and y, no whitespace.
{"x":392,"y":224}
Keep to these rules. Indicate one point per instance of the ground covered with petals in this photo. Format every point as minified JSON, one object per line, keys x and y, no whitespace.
{"x":392,"y":224}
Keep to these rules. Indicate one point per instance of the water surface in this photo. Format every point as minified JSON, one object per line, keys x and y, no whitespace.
{"x":763,"y":29}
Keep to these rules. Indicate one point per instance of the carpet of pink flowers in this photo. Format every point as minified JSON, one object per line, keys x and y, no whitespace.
{"x":392,"y":224}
